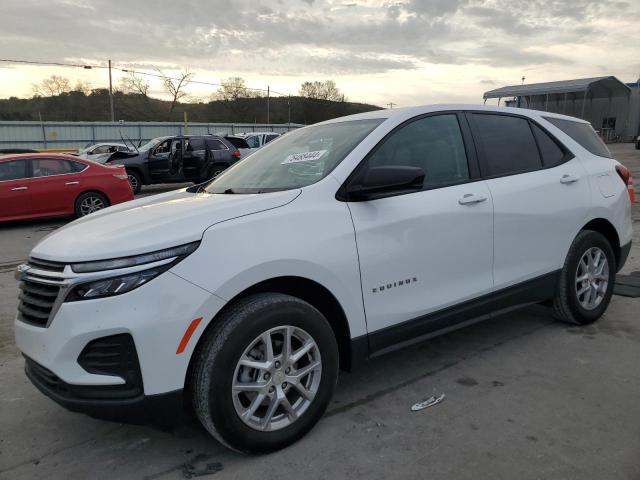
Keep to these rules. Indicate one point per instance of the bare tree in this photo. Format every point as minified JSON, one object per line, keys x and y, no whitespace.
{"x":326,"y":90}
{"x":133,"y":83}
{"x":232,"y":89}
{"x":52,"y":86}
{"x":82,"y":86}
{"x":176,"y":87}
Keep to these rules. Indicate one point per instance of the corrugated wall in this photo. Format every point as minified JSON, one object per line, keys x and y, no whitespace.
{"x":39,"y":135}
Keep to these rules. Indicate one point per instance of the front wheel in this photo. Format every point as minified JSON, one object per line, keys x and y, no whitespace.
{"x":586,"y":281}
{"x":265,"y":373}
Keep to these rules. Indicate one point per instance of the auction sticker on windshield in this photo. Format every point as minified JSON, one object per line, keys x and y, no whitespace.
{"x":303,"y":157}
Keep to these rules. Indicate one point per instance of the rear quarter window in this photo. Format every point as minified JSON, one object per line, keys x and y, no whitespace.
{"x":582,"y":133}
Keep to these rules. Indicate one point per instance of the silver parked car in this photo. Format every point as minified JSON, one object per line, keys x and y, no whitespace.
{"x":102,"y":152}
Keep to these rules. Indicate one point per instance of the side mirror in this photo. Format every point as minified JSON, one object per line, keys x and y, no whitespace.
{"x":381,"y":181}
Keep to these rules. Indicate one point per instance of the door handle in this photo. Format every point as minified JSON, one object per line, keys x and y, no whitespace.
{"x":568,"y":179}
{"x":471,"y":199}
{"x":19,"y":188}
{"x":72,"y":183}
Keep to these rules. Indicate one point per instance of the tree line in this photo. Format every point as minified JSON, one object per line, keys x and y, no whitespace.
{"x":56,"y":99}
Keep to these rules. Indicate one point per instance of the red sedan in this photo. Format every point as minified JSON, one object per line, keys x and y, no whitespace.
{"x":49,"y":185}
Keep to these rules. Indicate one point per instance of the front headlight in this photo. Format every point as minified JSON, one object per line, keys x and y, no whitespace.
{"x":124,"y":262}
{"x":112,"y":284}
{"x":108,"y":287}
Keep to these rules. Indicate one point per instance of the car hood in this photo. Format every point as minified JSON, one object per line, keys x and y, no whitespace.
{"x":151,"y":223}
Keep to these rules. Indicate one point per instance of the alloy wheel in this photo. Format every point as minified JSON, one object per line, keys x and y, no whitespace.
{"x":276,"y":378}
{"x":133,"y":181}
{"x":592,"y":278}
{"x":91,"y":204}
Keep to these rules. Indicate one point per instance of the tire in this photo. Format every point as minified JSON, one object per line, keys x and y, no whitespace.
{"x":90,"y":202}
{"x":568,"y":305}
{"x":239,"y":333}
{"x":135,"y":181}
{"x":215,"y":170}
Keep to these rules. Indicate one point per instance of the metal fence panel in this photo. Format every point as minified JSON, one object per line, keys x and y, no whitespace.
{"x":43,"y":135}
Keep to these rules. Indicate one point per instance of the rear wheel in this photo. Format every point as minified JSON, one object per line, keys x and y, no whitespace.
{"x":134,"y":181}
{"x":265,"y":373}
{"x":586,"y":281}
{"x":90,"y":202}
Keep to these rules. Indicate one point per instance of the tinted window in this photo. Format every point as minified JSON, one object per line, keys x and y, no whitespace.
{"x":584,"y":134}
{"x":432,"y":143}
{"x":253,"y":142}
{"x":508,"y":144}
{"x":551,"y":152}
{"x":13,"y":170}
{"x":215,"y":144}
{"x":237,"y":142}
{"x":195,"y":144}
{"x":270,"y":137}
{"x":78,"y":167}
{"x":44,"y":167}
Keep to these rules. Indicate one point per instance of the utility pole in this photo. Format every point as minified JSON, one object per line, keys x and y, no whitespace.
{"x":268,"y":92}
{"x":111,"y":95}
{"x":289,"y":110}
{"x":391,"y":104}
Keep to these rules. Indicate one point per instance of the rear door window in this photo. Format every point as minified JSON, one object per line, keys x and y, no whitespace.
{"x":13,"y":170}
{"x":45,"y":167}
{"x":195,"y":144}
{"x":268,"y":138}
{"x":215,"y":144}
{"x":508,"y":144}
{"x":582,"y":133}
{"x":551,"y":152}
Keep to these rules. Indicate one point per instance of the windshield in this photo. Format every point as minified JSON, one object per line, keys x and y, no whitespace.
{"x":151,"y":143}
{"x":298,"y":159}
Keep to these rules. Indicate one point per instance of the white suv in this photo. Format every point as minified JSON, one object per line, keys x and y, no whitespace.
{"x":344,"y":240}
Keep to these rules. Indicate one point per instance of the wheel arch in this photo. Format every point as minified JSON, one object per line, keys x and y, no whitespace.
{"x":311,"y":292}
{"x":606,"y":228}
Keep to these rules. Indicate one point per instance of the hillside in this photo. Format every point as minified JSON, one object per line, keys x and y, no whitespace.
{"x":77,"y":106}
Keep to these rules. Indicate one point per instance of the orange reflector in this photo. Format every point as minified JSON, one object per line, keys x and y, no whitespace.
{"x":187,"y":335}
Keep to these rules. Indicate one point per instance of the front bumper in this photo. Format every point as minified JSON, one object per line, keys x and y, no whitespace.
{"x":155,"y":315}
{"x":109,"y":403}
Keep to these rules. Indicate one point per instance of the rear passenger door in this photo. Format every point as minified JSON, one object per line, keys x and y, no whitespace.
{"x":15,"y":197}
{"x":540,"y":195}
{"x":55,"y":185}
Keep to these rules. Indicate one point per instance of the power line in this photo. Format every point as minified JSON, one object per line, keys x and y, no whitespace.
{"x":135,"y":72}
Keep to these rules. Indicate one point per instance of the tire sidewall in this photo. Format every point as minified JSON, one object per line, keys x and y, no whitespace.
{"x":221,"y":370}
{"x":83,"y":197}
{"x":138,"y":186}
{"x":591,"y":239}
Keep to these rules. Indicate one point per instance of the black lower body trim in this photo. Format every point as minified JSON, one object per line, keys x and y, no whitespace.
{"x":624,"y":254}
{"x":164,"y":410}
{"x":433,"y":324}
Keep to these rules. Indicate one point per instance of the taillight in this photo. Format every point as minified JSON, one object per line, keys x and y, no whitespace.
{"x":121,"y":176}
{"x":237,"y":154}
{"x":626,"y":177}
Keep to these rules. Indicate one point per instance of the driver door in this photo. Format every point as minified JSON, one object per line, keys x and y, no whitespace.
{"x":159,"y":161}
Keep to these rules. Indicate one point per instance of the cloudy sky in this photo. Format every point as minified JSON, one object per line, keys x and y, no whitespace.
{"x":407,"y":52}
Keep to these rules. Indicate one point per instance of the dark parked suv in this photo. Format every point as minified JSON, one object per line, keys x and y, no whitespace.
{"x":184,"y":158}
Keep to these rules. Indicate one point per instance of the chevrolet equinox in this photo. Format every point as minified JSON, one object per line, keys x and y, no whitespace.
{"x":240,"y":299}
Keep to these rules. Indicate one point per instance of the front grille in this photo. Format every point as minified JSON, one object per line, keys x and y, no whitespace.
{"x":36,"y":302}
{"x":46,"y":265}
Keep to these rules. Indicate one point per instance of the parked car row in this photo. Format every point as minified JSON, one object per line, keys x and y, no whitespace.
{"x":176,"y":159}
